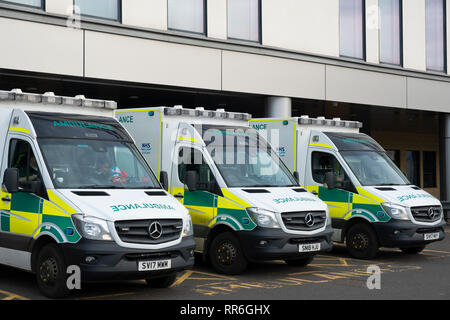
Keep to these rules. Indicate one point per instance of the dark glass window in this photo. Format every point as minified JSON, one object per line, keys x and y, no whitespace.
{"x":390,"y":31}
{"x":322,"y":163}
{"x":351,"y":28}
{"x":394,"y":155}
{"x":413,"y":167}
{"x":187,"y":15}
{"x":22,"y":158}
{"x":429,"y":169}
{"x":435,"y":35}
{"x":105,"y":9}
{"x":190,"y":159}
{"x":29,"y":3}
{"x":243,"y":19}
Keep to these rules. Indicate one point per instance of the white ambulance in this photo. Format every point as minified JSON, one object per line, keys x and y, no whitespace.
{"x":371,"y":202}
{"x":77,"y":192}
{"x":244,"y":203}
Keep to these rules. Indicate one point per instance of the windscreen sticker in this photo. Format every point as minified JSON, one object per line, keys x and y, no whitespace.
{"x":82,"y":124}
{"x":136,"y":206}
{"x":414,"y":196}
{"x":293,"y":199}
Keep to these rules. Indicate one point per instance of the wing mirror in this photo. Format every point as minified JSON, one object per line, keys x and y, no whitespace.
{"x":192,"y":180}
{"x":330,"y":180}
{"x":11,"y":180}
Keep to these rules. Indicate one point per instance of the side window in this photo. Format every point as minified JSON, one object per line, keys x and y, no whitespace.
{"x":322,"y":162}
{"x":190,"y":159}
{"x":21,"y":157}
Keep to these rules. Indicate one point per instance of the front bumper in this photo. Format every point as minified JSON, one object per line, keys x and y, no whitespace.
{"x":113,"y":262}
{"x":398,"y":233}
{"x":279,"y":244}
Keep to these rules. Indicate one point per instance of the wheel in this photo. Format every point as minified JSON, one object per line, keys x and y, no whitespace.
{"x":361,"y":241}
{"x":163,"y":282}
{"x":226,"y":255}
{"x":412,"y":250}
{"x":300,"y":262}
{"x":51,"y":273}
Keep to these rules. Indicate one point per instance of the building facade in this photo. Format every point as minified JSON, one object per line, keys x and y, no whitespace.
{"x":382,"y":62}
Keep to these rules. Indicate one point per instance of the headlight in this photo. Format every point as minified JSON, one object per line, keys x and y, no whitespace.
{"x":328,"y":217}
{"x":188,"y":229}
{"x":263,"y":218}
{"x":395,"y":211}
{"x":91,"y":228}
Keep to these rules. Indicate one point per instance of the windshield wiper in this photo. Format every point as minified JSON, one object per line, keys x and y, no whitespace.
{"x":96,"y":186}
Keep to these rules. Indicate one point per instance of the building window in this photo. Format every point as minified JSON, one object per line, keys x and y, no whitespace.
{"x":244,"y":19}
{"x":413,"y":167}
{"x":28,"y":3}
{"x":435,"y":35}
{"x":104,"y":9}
{"x":352,"y":28}
{"x":429,"y":169}
{"x":390,"y":31}
{"x":187,"y":15}
{"x":394,"y":155}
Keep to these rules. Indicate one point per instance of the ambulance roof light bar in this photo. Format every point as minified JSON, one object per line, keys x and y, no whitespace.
{"x":201,"y":112}
{"x":335,"y":122}
{"x":51,"y":98}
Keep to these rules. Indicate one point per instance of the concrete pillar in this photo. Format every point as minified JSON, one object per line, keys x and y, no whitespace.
{"x":445,"y":158}
{"x":278,"y":107}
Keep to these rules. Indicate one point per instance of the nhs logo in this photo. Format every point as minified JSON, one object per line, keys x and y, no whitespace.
{"x":146,"y":147}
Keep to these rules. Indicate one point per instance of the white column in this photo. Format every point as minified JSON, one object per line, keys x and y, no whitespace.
{"x":145,"y":13}
{"x":279,"y":107}
{"x":414,"y":53}
{"x":64,"y":7}
{"x":217,"y":19}
{"x":372,"y":34}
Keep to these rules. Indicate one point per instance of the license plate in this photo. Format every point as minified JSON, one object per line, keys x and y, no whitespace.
{"x":309,"y":247}
{"x":431,"y":236}
{"x":154,"y":265}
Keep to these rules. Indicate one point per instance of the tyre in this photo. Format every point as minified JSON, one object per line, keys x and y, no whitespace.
{"x":412,"y":250}
{"x":51,"y":273}
{"x":301,"y":262}
{"x":226,"y":255}
{"x":163,"y":282}
{"x":361,"y":241}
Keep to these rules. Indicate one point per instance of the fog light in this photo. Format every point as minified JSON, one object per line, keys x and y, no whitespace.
{"x":263,"y":243}
{"x":396,"y":232}
{"x":90,"y":260}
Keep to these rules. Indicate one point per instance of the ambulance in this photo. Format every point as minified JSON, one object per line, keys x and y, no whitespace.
{"x":372,"y":204}
{"x":244,"y":203}
{"x":77,"y":195}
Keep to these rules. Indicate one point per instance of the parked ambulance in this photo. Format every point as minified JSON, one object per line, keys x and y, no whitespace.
{"x":77,"y":192}
{"x":244,"y":203}
{"x":371,"y":202}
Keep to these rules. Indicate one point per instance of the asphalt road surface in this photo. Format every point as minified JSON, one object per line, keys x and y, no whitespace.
{"x":329,"y":276}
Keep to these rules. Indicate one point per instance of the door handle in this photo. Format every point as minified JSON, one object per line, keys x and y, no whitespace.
{"x":6,"y":199}
{"x":179,"y":196}
{"x":314,"y":192}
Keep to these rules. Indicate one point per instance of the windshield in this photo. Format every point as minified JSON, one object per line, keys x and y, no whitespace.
{"x":374,"y":168}
{"x":96,"y":164}
{"x":246,"y":160}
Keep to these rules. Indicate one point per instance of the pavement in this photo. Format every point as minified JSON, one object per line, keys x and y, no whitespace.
{"x":333,"y":275}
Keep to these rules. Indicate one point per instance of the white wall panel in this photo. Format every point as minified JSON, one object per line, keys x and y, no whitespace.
{"x":302,"y":25}
{"x":41,"y":47}
{"x":217,"y":19}
{"x":145,"y":13}
{"x":272,"y":76}
{"x":414,"y":34}
{"x":139,"y":60}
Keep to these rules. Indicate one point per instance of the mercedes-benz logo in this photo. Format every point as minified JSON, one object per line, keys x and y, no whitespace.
{"x":309,"y":220}
{"x":431,"y":213}
{"x":155,"y":230}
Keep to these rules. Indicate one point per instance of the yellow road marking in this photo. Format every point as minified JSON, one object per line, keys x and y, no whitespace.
{"x":12,"y":296}
{"x":108,"y":295}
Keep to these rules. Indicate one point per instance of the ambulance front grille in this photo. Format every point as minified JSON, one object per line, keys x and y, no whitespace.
{"x":426,"y":213}
{"x":298,"y":220}
{"x":153,"y":231}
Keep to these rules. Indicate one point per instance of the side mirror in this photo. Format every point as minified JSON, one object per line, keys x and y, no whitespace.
{"x":11,"y":180}
{"x":192,"y":180}
{"x":297,"y":176}
{"x":330,"y":180}
{"x":164,"y":179}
